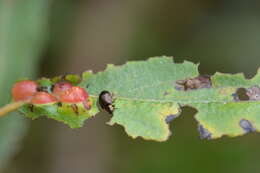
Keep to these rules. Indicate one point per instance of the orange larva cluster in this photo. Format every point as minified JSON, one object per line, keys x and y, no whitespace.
{"x":63,"y":92}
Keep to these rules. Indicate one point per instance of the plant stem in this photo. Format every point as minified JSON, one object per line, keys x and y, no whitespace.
{"x":11,"y":107}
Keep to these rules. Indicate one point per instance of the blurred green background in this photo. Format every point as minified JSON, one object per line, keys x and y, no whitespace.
{"x":51,"y":37}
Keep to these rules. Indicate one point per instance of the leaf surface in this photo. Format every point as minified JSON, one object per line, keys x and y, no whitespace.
{"x":147,"y":95}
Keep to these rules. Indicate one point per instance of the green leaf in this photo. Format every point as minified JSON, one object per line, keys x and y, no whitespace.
{"x":140,"y":92}
{"x":148,"y":94}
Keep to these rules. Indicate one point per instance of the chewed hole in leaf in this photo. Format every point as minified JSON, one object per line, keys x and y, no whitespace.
{"x":241,"y":95}
{"x":246,"y":125}
{"x":204,"y":133}
{"x":199,"y":82}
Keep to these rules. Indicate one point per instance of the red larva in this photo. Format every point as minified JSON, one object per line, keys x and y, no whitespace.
{"x":62,"y":92}
{"x":60,"y":87}
{"x":43,"y":98}
{"x":24,"y":90}
{"x":74,"y":95}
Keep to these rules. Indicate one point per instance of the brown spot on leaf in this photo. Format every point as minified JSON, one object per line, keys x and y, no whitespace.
{"x":240,"y":95}
{"x":246,"y":126}
{"x":204,"y":133}
{"x":253,"y":93}
{"x":199,"y":82}
{"x":244,"y":94}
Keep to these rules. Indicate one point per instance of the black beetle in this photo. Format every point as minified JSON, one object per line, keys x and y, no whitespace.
{"x":106,"y":101}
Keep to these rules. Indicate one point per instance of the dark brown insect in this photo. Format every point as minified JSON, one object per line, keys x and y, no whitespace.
{"x":106,"y":101}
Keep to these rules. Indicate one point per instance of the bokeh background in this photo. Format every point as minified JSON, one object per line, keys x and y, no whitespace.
{"x":52,"y":37}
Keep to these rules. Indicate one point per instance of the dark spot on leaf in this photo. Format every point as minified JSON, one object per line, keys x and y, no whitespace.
{"x":59,"y":104}
{"x":43,"y":89}
{"x":106,"y":101}
{"x":253,"y":93}
{"x":240,"y":95}
{"x":169,"y":118}
{"x":199,"y":82}
{"x":52,"y":88}
{"x":31,"y":107}
{"x":75,"y":108}
{"x":247,"y":126}
{"x":166,"y":93}
{"x":204,"y":133}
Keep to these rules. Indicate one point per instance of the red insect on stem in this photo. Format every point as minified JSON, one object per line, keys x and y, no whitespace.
{"x":24,"y":90}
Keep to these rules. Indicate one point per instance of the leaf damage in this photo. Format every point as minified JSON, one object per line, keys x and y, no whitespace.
{"x":204,"y":133}
{"x":241,"y":95}
{"x":246,"y":125}
{"x":247,"y":94}
{"x":141,"y":97}
{"x":253,"y":93}
{"x":170,"y":118}
{"x":202,"y":81}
